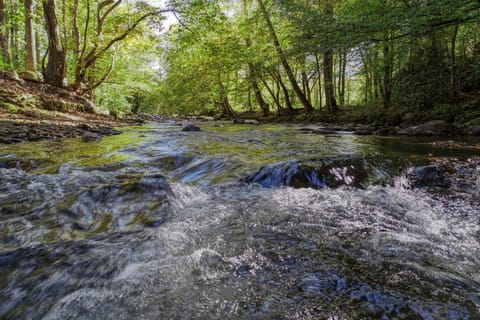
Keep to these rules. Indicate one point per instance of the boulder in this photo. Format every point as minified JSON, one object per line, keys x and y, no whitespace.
{"x":319,"y":173}
{"x":473,"y":122}
{"x":10,"y":75}
{"x":473,"y":130}
{"x":30,"y":76}
{"x":428,"y":176}
{"x":430,"y":128}
{"x":91,"y":136}
{"x":191,"y":127}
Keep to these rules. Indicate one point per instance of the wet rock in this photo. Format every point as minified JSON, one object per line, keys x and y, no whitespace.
{"x":386,"y":131}
{"x":319,"y":173}
{"x":474,"y":122}
{"x":428,"y":176}
{"x":431,"y":128}
{"x":238,"y":121}
{"x":91,"y":136}
{"x":363,"y":132}
{"x":473,"y":130}
{"x":251,"y":121}
{"x":293,"y":174}
{"x":190,"y":128}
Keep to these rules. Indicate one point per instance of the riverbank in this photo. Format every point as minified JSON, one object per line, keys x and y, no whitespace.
{"x":32,"y":111}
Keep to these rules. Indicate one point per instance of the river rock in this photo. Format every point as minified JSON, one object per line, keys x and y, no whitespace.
{"x":319,"y":173}
{"x":430,"y":128}
{"x":473,"y":130}
{"x":191,"y":127}
{"x":91,"y":136}
{"x":473,"y":122}
{"x":428,"y":176}
{"x":238,"y":121}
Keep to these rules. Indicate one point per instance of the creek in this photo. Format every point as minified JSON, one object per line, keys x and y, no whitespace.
{"x":240,"y":222}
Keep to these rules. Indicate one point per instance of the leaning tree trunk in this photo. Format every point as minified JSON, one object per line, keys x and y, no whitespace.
{"x":4,"y":33}
{"x":30,"y":37}
{"x":56,"y":68}
{"x":301,"y":96}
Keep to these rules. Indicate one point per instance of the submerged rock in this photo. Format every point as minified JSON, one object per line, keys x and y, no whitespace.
{"x":90,"y":136}
{"x":191,"y":127}
{"x":428,"y":176}
{"x":430,"y":128}
{"x":473,"y":130}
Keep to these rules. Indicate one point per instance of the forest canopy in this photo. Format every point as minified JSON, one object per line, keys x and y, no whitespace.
{"x":223,"y":57}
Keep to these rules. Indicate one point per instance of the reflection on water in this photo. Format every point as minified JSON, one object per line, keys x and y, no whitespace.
{"x":163,"y":229}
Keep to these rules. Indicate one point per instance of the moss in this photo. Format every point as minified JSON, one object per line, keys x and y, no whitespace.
{"x":9,"y":107}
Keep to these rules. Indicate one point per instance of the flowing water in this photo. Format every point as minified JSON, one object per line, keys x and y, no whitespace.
{"x":239,"y":222}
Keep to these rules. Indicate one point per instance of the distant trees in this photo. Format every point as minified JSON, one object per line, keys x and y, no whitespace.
{"x":328,"y":53}
{"x":226,"y":56}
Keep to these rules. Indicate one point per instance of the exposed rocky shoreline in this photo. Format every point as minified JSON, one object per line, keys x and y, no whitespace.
{"x":32,"y":111}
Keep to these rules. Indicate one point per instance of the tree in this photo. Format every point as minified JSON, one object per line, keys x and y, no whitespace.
{"x":4,"y":41}
{"x":30,"y":37}
{"x":330,"y":101}
{"x":55,"y":71}
{"x":288,"y":70}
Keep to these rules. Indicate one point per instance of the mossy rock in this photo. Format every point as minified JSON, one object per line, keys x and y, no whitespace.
{"x":10,"y":74}
{"x":10,"y":107}
{"x":30,"y":76}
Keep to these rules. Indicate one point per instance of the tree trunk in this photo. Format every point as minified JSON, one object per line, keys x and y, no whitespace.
{"x":341,"y":77}
{"x":301,"y":96}
{"x":330,"y":102}
{"x":4,"y":33}
{"x":274,"y":97}
{"x":453,"y":65}
{"x":14,"y":34}
{"x":223,"y":100}
{"x":319,"y":74}
{"x":56,"y":67}
{"x":387,"y":76}
{"x":30,"y":37}
{"x":278,"y":77}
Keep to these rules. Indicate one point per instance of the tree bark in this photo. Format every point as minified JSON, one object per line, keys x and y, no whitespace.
{"x":301,"y":96}
{"x":56,"y":67}
{"x":278,"y":78}
{"x":4,"y":33}
{"x":330,"y":102}
{"x":387,"y":76}
{"x":453,"y":65}
{"x":319,"y":74}
{"x":30,"y":37}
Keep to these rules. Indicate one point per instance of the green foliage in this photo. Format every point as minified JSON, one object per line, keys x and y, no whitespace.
{"x":404,"y":55}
